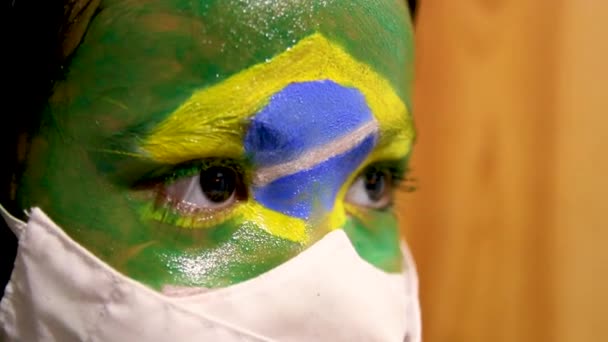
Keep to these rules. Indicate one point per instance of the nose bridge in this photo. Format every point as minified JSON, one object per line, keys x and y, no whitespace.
{"x":306,"y":143}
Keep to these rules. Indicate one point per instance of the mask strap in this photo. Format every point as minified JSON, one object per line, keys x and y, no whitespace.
{"x":16,"y":225}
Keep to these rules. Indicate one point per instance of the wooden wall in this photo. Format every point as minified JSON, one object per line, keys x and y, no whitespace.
{"x":508,"y":224}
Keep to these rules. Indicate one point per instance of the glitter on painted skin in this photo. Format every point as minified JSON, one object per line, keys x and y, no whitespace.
{"x":108,"y":102}
{"x":230,"y":257}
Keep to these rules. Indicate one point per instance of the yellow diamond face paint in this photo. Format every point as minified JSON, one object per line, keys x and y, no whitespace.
{"x":206,"y":122}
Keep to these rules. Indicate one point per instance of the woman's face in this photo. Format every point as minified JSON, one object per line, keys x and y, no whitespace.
{"x":202,"y":143}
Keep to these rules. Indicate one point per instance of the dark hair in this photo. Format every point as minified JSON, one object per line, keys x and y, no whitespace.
{"x":412,"y":4}
{"x":35,"y":48}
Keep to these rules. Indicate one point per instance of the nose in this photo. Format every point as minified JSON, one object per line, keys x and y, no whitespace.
{"x":306,"y":143}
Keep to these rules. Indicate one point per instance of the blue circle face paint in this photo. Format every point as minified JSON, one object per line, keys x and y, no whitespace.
{"x":316,"y":132}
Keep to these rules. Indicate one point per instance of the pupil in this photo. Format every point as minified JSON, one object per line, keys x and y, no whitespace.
{"x":218,"y":183}
{"x":374,"y":185}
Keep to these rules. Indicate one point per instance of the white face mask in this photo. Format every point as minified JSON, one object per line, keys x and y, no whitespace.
{"x":59,"y":291}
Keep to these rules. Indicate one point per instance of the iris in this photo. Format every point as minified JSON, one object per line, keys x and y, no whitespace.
{"x":218,"y":183}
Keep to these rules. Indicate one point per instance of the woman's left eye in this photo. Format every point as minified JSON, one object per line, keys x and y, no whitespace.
{"x":214,"y":188}
{"x":372,"y":189}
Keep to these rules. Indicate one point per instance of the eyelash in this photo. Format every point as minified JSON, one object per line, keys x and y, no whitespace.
{"x":173,"y":211}
{"x":406,"y":185}
{"x":191,"y":168}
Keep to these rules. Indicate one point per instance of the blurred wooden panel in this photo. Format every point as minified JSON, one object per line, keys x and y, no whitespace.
{"x":510,"y":106}
{"x":581,"y":227}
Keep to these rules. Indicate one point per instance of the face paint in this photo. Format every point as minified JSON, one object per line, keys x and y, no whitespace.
{"x":212,"y":116}
{"x":298,"y":169}
{"x":281,"y":107}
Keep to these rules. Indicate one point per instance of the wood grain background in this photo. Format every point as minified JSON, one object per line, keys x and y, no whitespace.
{"x":508,"y":224}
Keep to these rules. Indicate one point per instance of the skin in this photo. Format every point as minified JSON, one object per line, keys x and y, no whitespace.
{"x":109,"y":142}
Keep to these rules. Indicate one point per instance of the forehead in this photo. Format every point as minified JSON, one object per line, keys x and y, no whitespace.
{"x":218,"y":111}
{"x":140,"y":60}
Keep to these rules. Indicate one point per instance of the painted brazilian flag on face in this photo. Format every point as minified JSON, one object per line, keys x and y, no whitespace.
{"x":202,"y":143}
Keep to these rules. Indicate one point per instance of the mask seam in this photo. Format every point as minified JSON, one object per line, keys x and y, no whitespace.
{"x":103,"y":312}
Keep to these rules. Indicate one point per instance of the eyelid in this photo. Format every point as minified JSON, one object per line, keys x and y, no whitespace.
{"x":398,"y":169}
{"x":170,"y":206}
{"x":395,"y":147}
{"x":191,"y":168}
{"x":186,"y":187}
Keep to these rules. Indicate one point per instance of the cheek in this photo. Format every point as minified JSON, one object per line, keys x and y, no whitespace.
{"x":226,"y":254}
{"x":375,"y":236}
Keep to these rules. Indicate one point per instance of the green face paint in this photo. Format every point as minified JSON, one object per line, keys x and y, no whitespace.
{"x":142,"y":65}
{"x":374,"y":237}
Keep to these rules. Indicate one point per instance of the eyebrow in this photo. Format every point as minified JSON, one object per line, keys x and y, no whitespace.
{"x":388,"y":135}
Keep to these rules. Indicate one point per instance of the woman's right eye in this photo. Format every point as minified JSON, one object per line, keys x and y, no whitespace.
{"x":213,"y":189}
